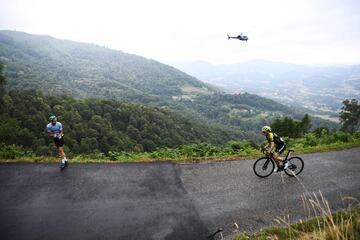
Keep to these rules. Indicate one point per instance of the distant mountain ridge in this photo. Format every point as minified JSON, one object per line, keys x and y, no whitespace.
{"x":87,"y":70}
{"x":321,"y":88}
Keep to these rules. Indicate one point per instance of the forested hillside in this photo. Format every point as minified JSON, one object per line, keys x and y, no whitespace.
{"x":316,"y":87}
{"x":56,"y":66}
{"x":94,"y":125}
{"x":248,"y":112}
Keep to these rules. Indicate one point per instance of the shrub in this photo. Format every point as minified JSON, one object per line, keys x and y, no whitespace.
{"x":114,"y":156}
{"x":321,"y":131}
{"x":356,"y":135}
{"x":237,"y":146}
{"x":12,"y":152}
{"x":341,"y":136}
{"x":166,"y":153}
{"x":310,"y":140}
{"x":199,"y":150}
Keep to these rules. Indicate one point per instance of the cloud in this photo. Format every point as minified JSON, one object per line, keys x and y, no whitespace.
{"x":294,"y":31}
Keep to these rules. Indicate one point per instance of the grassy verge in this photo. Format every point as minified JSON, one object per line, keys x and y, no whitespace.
{"x":344,"y":225}
{"x":187,"y":154}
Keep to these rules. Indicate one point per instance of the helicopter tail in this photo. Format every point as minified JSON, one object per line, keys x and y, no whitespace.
{"x":228,"y":36}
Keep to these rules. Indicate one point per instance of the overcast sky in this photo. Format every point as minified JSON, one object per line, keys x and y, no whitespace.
{"x":301,"y":31}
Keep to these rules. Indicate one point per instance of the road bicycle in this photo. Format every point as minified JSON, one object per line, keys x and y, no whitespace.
{"x":264,"y":166}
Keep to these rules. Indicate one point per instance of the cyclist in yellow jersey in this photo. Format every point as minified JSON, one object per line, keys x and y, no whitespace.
{"x":277,"y":143}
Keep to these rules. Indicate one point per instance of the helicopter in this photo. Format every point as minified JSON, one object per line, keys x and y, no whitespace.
{"x":240,"y":37}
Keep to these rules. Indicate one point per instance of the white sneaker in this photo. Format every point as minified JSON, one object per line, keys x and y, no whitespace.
{"x":276,"y":169}
{"x":287,"y":164}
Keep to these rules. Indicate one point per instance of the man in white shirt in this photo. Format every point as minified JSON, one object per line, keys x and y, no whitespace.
{"x":55,"y":131}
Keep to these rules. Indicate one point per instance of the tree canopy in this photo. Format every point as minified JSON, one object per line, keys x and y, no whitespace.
{"x":350,"y":115}
{"x":93,"y":125}
{"x":289,"y":127}
{"x":2,"y":87}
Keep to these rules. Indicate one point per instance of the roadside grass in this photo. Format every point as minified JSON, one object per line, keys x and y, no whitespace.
{"x":343,"y":225}
{"x":192,"y":153}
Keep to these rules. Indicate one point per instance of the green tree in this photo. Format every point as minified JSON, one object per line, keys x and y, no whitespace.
{"x":286,"y":127}
{"x":2,"y":88}
{"x":277,"y":126}
{"x":321,"y":131}
{"x":350,"y":115}
{"x":92,"y":125}
{"x":305,"y":124}
{"x":289,"y":127}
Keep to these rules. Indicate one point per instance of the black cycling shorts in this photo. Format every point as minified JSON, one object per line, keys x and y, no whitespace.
{"x":59,"y":142}
{"x":280,"y":148}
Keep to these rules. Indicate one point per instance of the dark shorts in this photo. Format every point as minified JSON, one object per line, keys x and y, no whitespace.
{"x":280,"y":148}
{"x":59,"y":142}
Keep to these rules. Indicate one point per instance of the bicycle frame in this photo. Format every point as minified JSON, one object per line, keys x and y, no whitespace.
{"x":288,"y":154}
{"x":271,"y":156}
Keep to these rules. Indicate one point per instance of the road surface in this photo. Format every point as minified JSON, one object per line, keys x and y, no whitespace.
{"x":163,"y":200}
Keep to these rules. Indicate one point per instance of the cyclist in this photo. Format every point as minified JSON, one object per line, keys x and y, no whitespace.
{"x":274,"y":141}
{"x":55,"y":131}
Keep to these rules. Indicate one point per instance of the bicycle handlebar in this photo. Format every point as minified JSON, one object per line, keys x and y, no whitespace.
{"x":263,"y":150}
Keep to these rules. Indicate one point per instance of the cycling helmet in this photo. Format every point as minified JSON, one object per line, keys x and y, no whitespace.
{"x":266,"y":129}
{"x":52,"y":117}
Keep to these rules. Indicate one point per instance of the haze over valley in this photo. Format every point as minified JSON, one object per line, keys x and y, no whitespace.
{"x":319,"y":88}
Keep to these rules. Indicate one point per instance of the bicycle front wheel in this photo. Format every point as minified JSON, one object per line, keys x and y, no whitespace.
{"x":263,"y":167}
{"x":296,"y":165}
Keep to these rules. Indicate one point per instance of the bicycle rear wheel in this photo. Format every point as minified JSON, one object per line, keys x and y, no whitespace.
{"x":296,"y":165}
{"x":263,"y":167}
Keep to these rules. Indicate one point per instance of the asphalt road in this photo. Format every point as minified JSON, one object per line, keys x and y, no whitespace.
{"x":163,"y":200}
